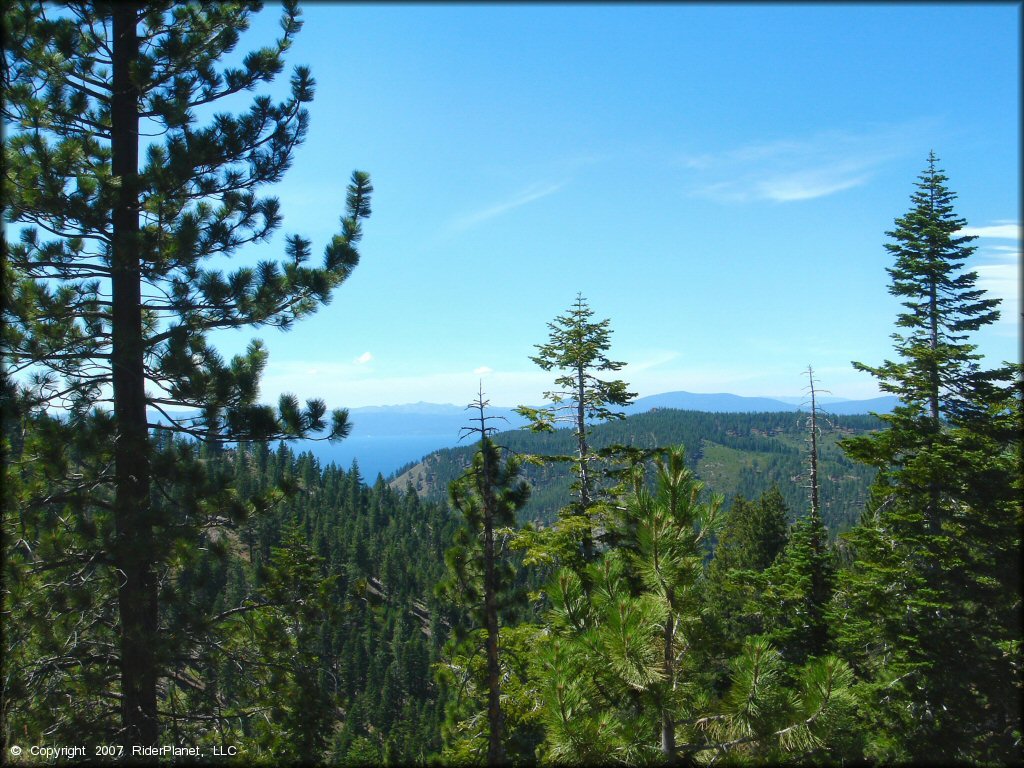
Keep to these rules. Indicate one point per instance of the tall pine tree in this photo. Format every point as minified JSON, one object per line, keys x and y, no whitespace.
{"x":577,"y":348}
{"x":122,"y":201}
{"x":929,"y":610}
{"x":482,"y":578}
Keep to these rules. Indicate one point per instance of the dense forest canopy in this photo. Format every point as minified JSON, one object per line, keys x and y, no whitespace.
{"x":674,"y":587}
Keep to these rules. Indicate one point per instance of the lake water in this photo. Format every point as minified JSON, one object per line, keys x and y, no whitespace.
{"x":377,"y":454}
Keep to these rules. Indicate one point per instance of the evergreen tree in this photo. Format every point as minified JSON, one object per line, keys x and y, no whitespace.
{"x":940,"y":377}
{"x":122,"y":201}
{"x":621,"y":668}
{"x":315,"y":645}
{"x":577,"y":348}
{"x":929,"y":610}
{"x":753,"y":533}
{"x":59,"y":599}
{"x":813,"y":433}
{"x":797,"y":591}
{"x":482,"y":579}
{"x":670,"y":530}
{"x":297,"y":696}
{"x":800,"y":584}
{"x":751,"y":537}
{"x":617,"y":663}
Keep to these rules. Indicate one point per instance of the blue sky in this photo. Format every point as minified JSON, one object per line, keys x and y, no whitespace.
{"x":717,"y":180}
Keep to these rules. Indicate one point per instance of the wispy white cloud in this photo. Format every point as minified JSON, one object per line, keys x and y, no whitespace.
{"x":999,"y":268}
{"x":363,"y":359}
{"x":1000,"y":277}
{"x":792,"y":170}
{"x":483,"y":370}
{"x":808,"y":185}
{"x":530,"y":194}
{"x":651,"y":360}
{"x":1001,"y":231}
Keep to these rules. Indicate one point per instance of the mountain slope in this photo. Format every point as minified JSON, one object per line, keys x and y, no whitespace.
{"x":385,"y":438}
{"x":734,"y":453}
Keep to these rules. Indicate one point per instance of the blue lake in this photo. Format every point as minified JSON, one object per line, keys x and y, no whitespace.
{"x":379,"y":454}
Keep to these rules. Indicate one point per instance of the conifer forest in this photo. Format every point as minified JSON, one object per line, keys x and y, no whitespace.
{"x":181,"y":584}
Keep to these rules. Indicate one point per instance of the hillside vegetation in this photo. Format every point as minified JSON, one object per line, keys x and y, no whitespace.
{"x":736,"y":454}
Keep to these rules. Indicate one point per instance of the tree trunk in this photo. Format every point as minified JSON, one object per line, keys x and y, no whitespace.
{"x":581,"y":437}
{"x":668,"y":725}
{"x":495,"y":750}
{"x":137,"y":596}
{"x":933,"y":383}
{"x":814,"y":445}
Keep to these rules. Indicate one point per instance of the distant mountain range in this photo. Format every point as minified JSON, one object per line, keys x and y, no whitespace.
{"x":726,"y":403}
{"x":442,"y":419}
{"x":385,"y":437}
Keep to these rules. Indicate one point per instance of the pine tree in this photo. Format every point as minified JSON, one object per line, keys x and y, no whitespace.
{"x":671,"y":529}
{"x":797,"y":593}
{"x":297,"y":698}
{"x":122,"y":201}
{"x":482,"y":579}
{"x":752,"y":536}
{"x":930,"y":607}
{"x":753,"y":533}
{"x":800,"y":584}
{"x":59,"y":599}
{"x":940,"y":377}
{"x":616,"y":666}
{"x":621,"y":667}
{"x":813,"y":433}
{"x":577,"y":347}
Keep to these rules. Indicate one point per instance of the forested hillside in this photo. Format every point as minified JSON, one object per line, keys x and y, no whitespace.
{"x":382,"y":553}
{"x":310,"y":630}
{"x":737,"y":454}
